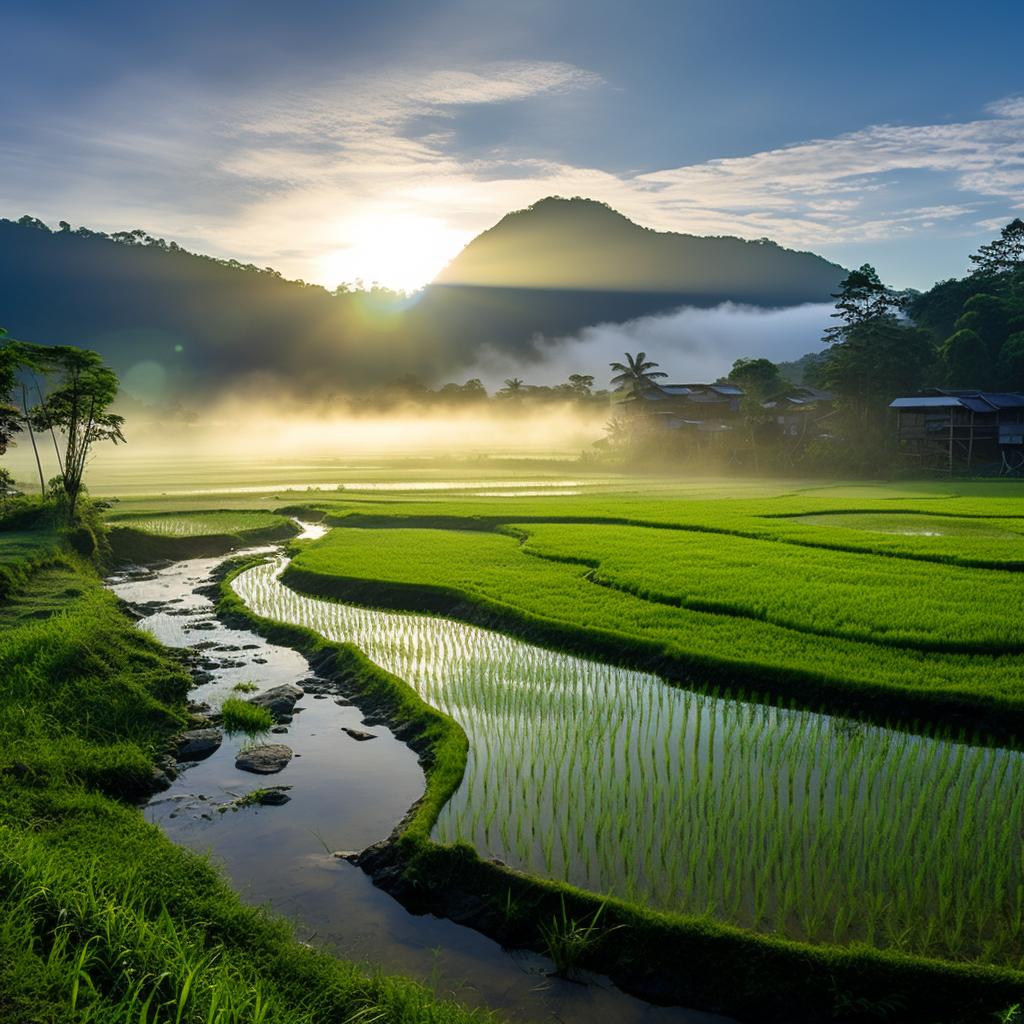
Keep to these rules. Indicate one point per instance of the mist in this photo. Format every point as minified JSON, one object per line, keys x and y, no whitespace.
{"x":689,"y":344}
{"x":246,"y":447}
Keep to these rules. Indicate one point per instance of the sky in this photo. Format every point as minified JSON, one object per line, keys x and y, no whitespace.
{"x":338,"y":141}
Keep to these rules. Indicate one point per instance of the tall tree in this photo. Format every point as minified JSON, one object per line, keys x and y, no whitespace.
{"x":76,"y":407}
{"x":875,"y":355}
{"x":759,"y":378}
{"x":1004,"y":255}
{"x":863,"y":298}
{"x":635,"y":376}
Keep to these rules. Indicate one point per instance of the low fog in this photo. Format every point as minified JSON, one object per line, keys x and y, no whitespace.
{"x":690,"y":345}
{"x":239,"y":446}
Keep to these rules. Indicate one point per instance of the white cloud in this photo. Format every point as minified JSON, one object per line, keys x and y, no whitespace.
{"x":1009,"y":106}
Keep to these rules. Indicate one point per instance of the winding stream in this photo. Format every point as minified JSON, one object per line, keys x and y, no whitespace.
{"x":344,"y":795}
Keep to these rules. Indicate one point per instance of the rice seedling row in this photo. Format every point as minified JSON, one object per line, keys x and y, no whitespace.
{"x":775,"y":819}
{"x":499,"y":572}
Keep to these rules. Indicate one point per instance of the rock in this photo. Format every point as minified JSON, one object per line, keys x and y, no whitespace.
{"x":280,"y":700}
{"x":280,"y":729}
{"x":265,"y":760}
{"x":358,"y":734}
{"x":319,"y":696}
{"x":198,"y":743}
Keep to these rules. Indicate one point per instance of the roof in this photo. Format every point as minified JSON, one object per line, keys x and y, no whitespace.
{"x":976,"y":401}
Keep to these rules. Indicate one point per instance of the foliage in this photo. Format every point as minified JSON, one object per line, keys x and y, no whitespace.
{"x":863,"y":299}
{"x":102,"y":919}
{"x":635,"y":375}
{"x":1004,"y":255}
{"x":77,"y":407}
{"x":759,"y":378}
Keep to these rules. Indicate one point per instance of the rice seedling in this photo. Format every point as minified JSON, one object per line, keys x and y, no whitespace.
{"x":772,"y":818}
{"x":197,"y":524}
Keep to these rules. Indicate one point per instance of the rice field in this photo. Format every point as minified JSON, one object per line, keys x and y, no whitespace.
{"x":778,"y":820}
{"x":198,"y":524}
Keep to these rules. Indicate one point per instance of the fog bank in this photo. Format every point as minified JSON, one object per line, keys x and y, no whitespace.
{"x":689,"y":344}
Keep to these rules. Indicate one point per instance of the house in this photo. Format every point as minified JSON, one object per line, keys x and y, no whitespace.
{"x":700,"y":409}
{"x":800,"y":410}
{"x":948,"y":430}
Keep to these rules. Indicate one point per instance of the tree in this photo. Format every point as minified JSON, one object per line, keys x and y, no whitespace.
{"x":759,"y":378}
{"x":878,"y":361}
{"x":635,"y":376}
{"x":862,"y":299}
{"x":76,"y":406}
{"x":1004,"y":255}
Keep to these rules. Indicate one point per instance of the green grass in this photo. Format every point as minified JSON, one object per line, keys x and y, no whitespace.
{"x":768,"y":818}
{"x":241,"y":716}
{"x":157,"y":535}
{"x":705,"y":963}
{"x":102,"y":919}
{"x":494,"y":575}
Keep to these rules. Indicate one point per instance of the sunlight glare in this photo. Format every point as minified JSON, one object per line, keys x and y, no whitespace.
{"x":398,"y":251}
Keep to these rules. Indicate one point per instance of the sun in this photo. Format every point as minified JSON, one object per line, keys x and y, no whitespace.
{"x":398,"y":251}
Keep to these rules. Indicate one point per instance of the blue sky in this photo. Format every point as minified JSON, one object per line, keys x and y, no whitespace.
{"x":336,"y":140}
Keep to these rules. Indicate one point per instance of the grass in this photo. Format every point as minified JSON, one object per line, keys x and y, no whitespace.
{"x":241,"y":716}
{"x":102,"y":919}
{"x":197,"y":524}
{"x":753,"y":620}
{"x":157,"y":535}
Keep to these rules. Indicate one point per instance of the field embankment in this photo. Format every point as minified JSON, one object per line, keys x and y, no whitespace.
{"x":889,"y":626}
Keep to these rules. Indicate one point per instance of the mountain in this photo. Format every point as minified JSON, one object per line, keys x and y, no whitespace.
{"x":583,"y":245}
{"x":179,"y":327}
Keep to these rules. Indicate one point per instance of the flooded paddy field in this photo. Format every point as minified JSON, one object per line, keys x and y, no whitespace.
{"x":778,"y":820}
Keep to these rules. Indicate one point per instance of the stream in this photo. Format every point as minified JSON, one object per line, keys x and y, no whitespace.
{"x":345,"y":794}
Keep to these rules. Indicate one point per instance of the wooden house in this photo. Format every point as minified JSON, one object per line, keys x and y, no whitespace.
{"x":697,"y":409}
{"x":951,"y":430}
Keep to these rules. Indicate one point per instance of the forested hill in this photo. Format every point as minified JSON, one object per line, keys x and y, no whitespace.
{"x":585,"y":245}
{"x":178,"y":327}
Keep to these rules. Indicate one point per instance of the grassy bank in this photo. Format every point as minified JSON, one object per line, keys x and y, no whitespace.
{"x":102,"y":919}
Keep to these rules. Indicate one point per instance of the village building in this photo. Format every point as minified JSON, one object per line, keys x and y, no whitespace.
{"x":699,"y":409}
{"x":948,"y":431}
{"x":800,"y":411}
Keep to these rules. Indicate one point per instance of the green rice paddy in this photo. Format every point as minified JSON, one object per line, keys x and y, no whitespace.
{"x":198,"y":524}
{"x":779,"y":820}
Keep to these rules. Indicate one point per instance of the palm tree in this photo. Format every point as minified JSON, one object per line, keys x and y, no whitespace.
{"x":635,"y":376}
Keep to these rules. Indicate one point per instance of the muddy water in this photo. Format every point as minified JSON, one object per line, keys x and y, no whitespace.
{"x":345,"y":795}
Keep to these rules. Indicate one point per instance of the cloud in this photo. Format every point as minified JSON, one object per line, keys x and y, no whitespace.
{"x":305,"y":177}
{"x":1009,"y":106}
{"x":691,"y":345}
